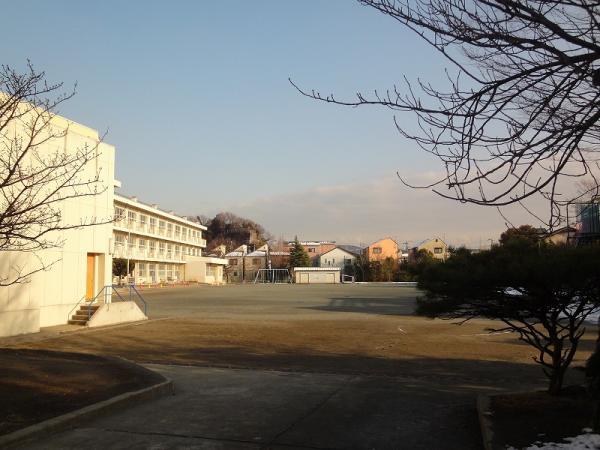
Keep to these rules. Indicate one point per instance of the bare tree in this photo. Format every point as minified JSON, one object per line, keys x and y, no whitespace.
{"x":519,"y":116}
{"x":37,"y":174}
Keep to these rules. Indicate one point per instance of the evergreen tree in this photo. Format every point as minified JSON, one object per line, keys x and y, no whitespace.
{"x":542,"y":292}
{"x":298,"y":255}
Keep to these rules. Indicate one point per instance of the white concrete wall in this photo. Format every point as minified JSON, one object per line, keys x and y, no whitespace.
{"x":196,"y":267}
{"x":49,"y":295}
{"x":116,"y":312}
{"x":307,"y":276}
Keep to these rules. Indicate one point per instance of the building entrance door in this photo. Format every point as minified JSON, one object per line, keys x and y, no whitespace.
{"x":90,"y":276}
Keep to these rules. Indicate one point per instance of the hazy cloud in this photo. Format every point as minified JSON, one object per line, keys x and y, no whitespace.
{"x":363,"y":212}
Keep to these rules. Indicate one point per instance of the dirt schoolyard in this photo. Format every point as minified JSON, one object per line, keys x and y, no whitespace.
{"x":394,"y":379}
{"x":322,"y":328}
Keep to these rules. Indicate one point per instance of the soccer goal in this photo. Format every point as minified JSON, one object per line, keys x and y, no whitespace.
{"x":273,"y":276}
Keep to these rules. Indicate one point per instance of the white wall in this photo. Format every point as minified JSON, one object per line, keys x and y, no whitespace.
{"x":116,"y":312}
{"x":323,"y":276}
{"x":335,"y":258}
{"x":195,"y":269}
{"x":49,"y":295}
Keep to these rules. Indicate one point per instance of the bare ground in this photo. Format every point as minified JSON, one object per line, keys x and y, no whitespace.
{"x":37,"y":385}
{"x":383,"y":345}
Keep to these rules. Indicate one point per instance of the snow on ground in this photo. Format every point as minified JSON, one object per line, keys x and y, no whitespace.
{"x":585,"y":441}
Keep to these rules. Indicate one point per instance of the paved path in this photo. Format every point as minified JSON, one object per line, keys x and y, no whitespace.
{"x":254,"y":409}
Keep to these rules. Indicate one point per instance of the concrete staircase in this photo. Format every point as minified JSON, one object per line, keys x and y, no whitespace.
{"x":83,"y":314}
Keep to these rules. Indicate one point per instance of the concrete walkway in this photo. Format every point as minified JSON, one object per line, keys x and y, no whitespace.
{"x":239,"y":409}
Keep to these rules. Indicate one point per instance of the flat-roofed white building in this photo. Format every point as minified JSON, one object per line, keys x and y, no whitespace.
{"x":165,"y":247}
{"x":75,"y":269}
{"x":82,"y":265}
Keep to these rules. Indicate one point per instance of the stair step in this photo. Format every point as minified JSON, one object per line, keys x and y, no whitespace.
{"x":81,"y":316}
{"x":78,"y":321}
{"x":94,"y":306}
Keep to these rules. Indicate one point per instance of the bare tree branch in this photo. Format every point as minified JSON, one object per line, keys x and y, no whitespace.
{"x":519,"y":117}
{"x":37,"y":173}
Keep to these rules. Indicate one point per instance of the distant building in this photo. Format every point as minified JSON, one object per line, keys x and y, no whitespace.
{"x":234,"y":272}
{"x":435,"y":246}
{"x":564,"y":235}
{"x":164,"y":247}
{"x":313,"y":248}
{"x":244,"y":266}
{"x":316,"y":275}
{"x":338,"y":257}
{"x":588,"y":222}
{"x":382,"y":249}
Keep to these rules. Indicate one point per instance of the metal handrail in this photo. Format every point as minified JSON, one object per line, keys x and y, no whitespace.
{"x":132,"y":290}
{"x":109,"y":290}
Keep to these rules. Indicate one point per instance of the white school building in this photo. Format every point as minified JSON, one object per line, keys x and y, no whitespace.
{"x":165,"y":248}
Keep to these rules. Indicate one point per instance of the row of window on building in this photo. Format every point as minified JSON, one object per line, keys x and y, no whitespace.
{"x":253,"y":261}
{"x":153,"y":225}
{"x":149,"y":247}
{"x":154,"y":273}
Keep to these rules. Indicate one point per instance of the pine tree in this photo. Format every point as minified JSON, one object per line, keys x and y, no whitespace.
{"x":298,"y":255}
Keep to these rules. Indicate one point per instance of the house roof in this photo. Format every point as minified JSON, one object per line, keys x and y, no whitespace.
{"x":310,"y":242}
{"x":564,"y":229}
{"x":418,"y":244}
{"x":382,"y":239}
{"x":339,"y":248}
{"x":354,"y":249}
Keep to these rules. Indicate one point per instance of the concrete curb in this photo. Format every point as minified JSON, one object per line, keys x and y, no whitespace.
{"x":65,"y":421}
{"x":483,"y":413}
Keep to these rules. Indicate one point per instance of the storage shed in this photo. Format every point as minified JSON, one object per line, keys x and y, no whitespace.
{"x":316,"y":275}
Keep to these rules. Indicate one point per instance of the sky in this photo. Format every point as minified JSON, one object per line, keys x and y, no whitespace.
{"x":195,"y":97}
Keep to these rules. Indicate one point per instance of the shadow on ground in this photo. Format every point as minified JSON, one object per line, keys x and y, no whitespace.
{"x":367,"y":305}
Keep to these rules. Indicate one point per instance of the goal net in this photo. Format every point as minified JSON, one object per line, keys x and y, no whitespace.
{"x":273,"y":276}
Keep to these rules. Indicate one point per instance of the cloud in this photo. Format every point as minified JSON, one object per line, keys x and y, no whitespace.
{"x":363,"y":212}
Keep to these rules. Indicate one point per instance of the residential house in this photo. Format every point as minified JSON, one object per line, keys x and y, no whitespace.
{"x":244,"y":266}
{"x":435,"y":246}
{"x":234,"y":272}
{"x":560,"y":236}
{"x":313,"y":248}
{"x":338,"y":257}
{"x":382,"y":249}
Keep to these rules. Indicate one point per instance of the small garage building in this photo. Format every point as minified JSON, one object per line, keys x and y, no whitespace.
{"x":316,"y":275}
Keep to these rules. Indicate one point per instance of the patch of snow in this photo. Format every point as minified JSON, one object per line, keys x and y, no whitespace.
{"x":586,"y":441}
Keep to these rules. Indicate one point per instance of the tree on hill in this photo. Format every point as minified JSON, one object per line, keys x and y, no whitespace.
{"x":298,"y":255}
{"x":232,"y":231}
{"x":542,"y":292}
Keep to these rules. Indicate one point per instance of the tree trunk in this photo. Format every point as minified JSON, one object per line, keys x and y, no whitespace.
{"x":558,"y":369}
{"x":556,"y":380}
